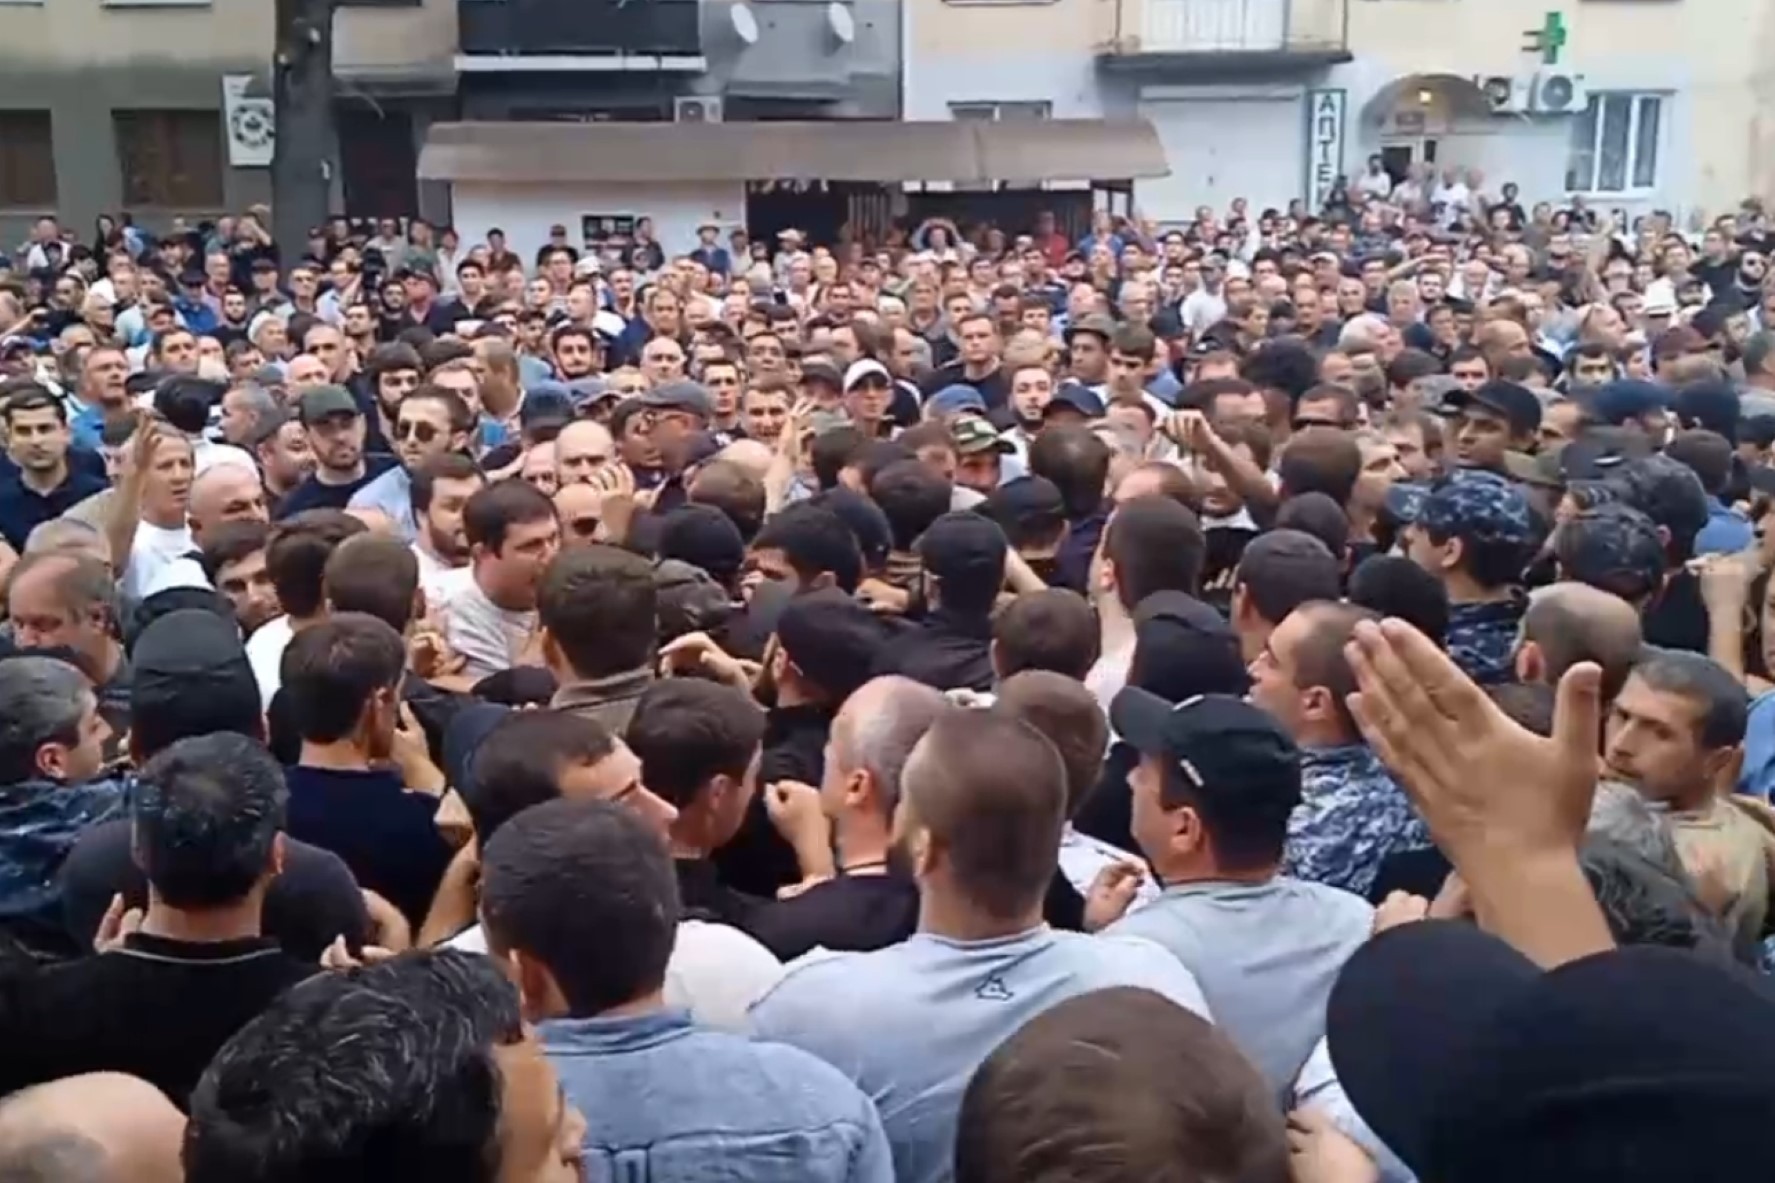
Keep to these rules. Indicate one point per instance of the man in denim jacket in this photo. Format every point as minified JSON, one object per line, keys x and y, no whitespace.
{"x":579,"y":898}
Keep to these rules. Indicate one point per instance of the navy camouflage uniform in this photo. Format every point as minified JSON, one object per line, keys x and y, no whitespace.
{"x":1482,"y":507}
{"x":1352,"y":814}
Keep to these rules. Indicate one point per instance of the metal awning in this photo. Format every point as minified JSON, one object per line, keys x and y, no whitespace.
{"x":840,"y":150}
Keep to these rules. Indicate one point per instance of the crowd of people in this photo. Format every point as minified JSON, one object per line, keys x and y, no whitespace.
{"x":1281,"y":698}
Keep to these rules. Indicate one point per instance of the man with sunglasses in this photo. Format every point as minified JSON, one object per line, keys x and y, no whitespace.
{"x":430,"y":422}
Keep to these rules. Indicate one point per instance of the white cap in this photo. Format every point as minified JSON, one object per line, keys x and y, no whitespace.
{"x":862,"y":369}
{"x":588,"y":265}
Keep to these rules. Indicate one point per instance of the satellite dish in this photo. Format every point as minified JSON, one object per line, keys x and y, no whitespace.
{"x":844,"y":26}
{"x":745,"y":25}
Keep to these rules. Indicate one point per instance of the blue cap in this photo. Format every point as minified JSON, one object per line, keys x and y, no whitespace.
{"x":1627,"y":398}
{"x":1613,"y":547}
{"x":1472,"y":504}
{"x":1075,"y":396}
{"x":954,"y":399}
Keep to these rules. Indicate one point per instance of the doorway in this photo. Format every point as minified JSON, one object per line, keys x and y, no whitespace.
{"x":1398,"y":155}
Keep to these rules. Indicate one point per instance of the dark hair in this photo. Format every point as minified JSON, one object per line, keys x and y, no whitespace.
{"x":1408,"y":365}
{"x":296,"y":556}
{"x":447,"y":466}
{"x":600,"y":606}
{"x":331,"y":670}
{"x":456,"y":408}
{"x":1320,"y":460}
{"x":42,"y":701}
{"x":384,"y":1072}
{"x":1118,"y":1086}
{"x":23,"y":395}
{"x":587,"y":889}
{"x":1134,"y":340}
{"x":870,"y":527}
{"x":519,"y":764}
{"x":1051,"y":629}
{"x":1725,"y":703}
{"x":230,"y":542}
{"x":1527,"y":704}
{"x":912,"y":497}
{"x":1077,"y":462}
{"x":1348,"y":406}
{"x":1068,"y":716}
{"x":1647,"y":904}
{"x":1156,"y":545}
{"x":1283,"y":569}
{"x":831,"y":451}
{"x":492,"y":512}
{"x":1392,"y":585}
{"x":1668,"y":492}
{"x":375,"y":574}
{"x":877,"y":455}
{"x":206,"y":812}
{"x":814,"y":542}
{"x":687,"y":732}
{"x":1319,"y":657}
{"x":1287,"y":366}
{"x":991,"y":792}
{"x":1708,"y":454}
{"x":1319,"y":515}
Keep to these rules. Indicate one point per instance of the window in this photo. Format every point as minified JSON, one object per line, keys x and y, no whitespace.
{"x":170,"y":159}
{"x":1032,"y":112}
{"x":1615,"y":144}
{"x":27,"y":160}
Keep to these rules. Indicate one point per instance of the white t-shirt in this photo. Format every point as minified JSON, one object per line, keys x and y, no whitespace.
{"x":437,"y":581}
{"x":265,"y":653}
{"x":489,"y":638}
{"x":716,"y":972}
{"x":154,"y":550}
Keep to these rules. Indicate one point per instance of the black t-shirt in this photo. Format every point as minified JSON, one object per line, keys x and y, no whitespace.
{"x":849,"y":914}
{"x":386,"y":835}
{"x":311,"y":494}
{"x":1677,"y":619}
{"x":156,"y":1009}
{"x":705,"y":897}
{"x":994,"y":388}
{"x":757,"y":861}
{"x":311,"y":904}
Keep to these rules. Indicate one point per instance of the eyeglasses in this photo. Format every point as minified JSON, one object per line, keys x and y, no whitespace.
{"x":407,"y":429}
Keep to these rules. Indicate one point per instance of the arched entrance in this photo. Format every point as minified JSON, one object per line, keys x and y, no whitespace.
{"x":1413,"y":116}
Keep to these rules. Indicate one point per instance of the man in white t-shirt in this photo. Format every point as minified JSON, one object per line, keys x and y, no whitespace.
{"x":490,"y":619}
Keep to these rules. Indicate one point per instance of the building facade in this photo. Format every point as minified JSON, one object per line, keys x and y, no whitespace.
{"x":1638,"y":104}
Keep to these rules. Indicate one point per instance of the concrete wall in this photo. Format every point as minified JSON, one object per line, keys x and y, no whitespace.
{"x":525,"y":212}
{"x":1031,"y":52}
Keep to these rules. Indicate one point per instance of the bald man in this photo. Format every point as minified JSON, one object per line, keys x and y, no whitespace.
{"x":751,"y":455}
{"x":1567,"y":623}
{"x":226,"y":493}
{"x":864,"y":907}
{"x":100,"y":1128}
{"x":581,"y":450}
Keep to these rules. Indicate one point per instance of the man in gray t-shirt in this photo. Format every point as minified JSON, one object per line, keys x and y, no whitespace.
{"x":1216,"y":783}
{"x":981,"y":808}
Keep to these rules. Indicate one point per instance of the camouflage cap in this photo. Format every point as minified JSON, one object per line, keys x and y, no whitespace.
{"x":1477,"y":505}
{"x":1613,"y":547}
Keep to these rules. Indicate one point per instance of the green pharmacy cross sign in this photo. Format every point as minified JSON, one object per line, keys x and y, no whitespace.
{"x":1548,"y":40}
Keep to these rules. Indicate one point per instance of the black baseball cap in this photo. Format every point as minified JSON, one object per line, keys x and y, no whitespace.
{"x":320,"y":402}
{"x":190,"y":677}
{"x":1516,"y":403}
{"x":1073,"y":396}
{"x":546,"y":404}
{"x":1220,"y":744}
{"x":824,"y":373}
{"x":1183,"y":648}
{"x":1026,"y":501}
{"x":682,"y":395}
{"x":832,"y":639}
{"x":964,"y":549}
{"x":1472,"y":1063}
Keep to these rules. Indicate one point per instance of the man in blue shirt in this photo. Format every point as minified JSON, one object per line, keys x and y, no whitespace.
{"x":1727,"y":530}
{"x":709,"y":252}
{"x":39,"y":483}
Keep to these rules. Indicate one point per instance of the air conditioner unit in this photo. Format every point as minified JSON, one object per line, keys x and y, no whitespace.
{"x":1559,"y":94}
{"x":696,"y":109}
{"x":1504,"y":93}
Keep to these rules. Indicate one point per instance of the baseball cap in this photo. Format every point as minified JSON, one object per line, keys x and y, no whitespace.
{"x":964,"y":549}
{"x":1613,"y":547}
{"x":1075,"y":396}
{"x":1025,"y":501}
{"x":1598,"y":451}
{"x":1437,"y":388}
{"x":1711,"y":406}
{"x":1627,"y":398}
{"x":875,"y":536}
{"x":704,"y":537}
{"x":954,"y":399}
{"x":1473,"y":1063}
{"x":191,"y":677}
{"x":682,"y":395}
{"x":1183,"y":647}
{"x":321,"y":402}
{"x":546,"y":403}
{"x":1221,"y":745}
{"x":588,"y":265}
{"x":1659,"y":303}
{"x":865,"y":368}
{"x":1471,"y":503}
{"x":589,"y":391}
{"x":973,"y":436}
{"x":832,"y":639}
{"x":825,"y":373}
{"x":1516,"y":403}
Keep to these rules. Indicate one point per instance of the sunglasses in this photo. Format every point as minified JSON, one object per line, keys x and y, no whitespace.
{"x":407,"y":429}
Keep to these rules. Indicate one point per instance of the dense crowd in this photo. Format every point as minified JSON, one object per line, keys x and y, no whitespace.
{"x":1279,"y":698}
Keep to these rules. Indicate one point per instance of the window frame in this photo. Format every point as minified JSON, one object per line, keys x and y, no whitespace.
{"x":166,"y":198}
{"x":1595,"y":112}
{"x":993,"y":110}
{"x":9,"y":139}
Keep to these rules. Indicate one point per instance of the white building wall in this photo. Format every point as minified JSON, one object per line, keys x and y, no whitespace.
{"x":525,"y":212}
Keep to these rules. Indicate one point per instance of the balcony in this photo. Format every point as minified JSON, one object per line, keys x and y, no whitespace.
{"x":1227,"y":34}
{"x":643,"y":31}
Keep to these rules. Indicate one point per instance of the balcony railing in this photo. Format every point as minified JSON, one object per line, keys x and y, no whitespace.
{"x":583,"y":27}
{"x":1306,"y":27}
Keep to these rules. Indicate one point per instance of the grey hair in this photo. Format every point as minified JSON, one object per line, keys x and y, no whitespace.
{"x":68,"y":536}
{"x":42,"y":700}
{"x":1619,"y":814}
{"x":1645,"y":903}
{"x":260,"y":402}
{"x":881,"y":741}
{"x":1362,"y":332}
